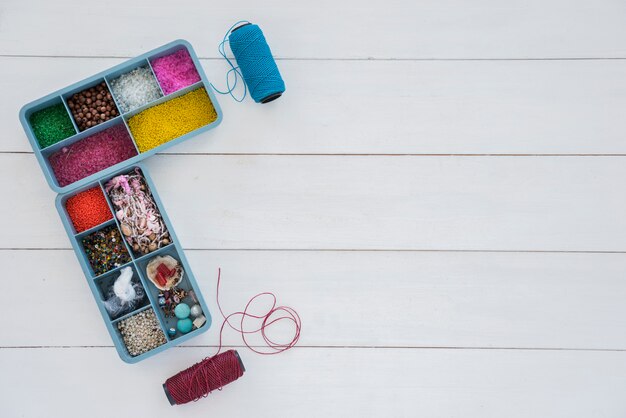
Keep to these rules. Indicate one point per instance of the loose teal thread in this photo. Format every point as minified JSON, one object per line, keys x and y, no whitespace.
{"x":233,"y":69}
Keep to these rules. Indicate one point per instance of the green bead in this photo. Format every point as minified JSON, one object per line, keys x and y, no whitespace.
{"x":184,"y":325}
{"x":51,"y":125}
{"x":182,"y":311}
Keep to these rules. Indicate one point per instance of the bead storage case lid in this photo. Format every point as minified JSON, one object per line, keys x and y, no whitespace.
{"x":140,"y":107}
{"x":99,"y":282}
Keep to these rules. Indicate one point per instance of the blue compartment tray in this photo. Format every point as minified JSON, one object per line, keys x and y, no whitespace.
{"x":99,"y":283}
{"x":63,"y":96}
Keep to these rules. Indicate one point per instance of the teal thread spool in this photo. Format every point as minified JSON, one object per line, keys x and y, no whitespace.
{"x":256,"y":65}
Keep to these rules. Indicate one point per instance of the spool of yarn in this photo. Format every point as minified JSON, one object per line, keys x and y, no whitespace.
{"x":255,"y":64}
{"x":216,"y":372}
{"x":204,"y":377}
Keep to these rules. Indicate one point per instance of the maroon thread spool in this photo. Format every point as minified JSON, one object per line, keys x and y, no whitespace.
{"x":204,"y":377}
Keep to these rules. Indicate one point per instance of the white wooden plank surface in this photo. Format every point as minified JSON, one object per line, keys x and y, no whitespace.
{"x":369,"y":299}
{"x":323,"y":382}
{"x":330,"y":202}
{"x":434,"y":285}
{"x":397,"y":107}
{"x":398,"y":29}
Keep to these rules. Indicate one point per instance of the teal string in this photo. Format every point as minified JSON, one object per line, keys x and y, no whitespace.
{"x":255,"y":64}
{"x":233,"y":69}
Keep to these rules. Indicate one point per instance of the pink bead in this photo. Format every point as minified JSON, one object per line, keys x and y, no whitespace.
{"x":175,"y":71}
{"x":92,"y":154}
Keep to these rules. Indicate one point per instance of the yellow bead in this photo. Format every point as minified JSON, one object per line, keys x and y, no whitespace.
{"x":169,"y":120}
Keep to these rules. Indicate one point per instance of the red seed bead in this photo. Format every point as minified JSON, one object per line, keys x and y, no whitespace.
{"x":88,"y":209}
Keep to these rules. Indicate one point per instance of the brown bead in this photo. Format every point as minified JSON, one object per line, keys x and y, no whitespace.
{"x":99,"y":96}
{"x":103,"y":116}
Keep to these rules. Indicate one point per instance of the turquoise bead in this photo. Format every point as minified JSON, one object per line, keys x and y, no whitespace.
{"x":182,"y":311}
{"x":184,"y":325}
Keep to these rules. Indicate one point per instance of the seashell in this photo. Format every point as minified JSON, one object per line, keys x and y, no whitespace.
{"x":126,"y":230}
{"x":165,"y":241}
{"x":152,"y":247}
{"x":119,"y":214}
{"x":152,"y":236}
{"x":142,"y":222}
{"x":171,"y":263}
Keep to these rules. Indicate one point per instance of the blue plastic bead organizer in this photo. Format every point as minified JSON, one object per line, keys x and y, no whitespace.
{"x":99,"y":283}
{"x":62,"y":95}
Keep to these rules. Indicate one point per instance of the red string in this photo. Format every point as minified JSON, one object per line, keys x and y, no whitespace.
{"x":215,"y":372}
{"x":273,"y":315}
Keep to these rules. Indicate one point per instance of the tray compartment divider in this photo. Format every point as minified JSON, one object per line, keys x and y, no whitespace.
{"x":48,"y":151}
{"x":160,"y":100}
{"x":155,"y":304}
{"x":128,"y":315}
{"x":117,"y":105}
{"x":69,"y":113}
{"x":117,"y":222}
{"x":80,"y":235}
{"x":155,"y":77}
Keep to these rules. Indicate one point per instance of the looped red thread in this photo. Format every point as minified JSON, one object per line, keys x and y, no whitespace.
{"x":285,"y":313}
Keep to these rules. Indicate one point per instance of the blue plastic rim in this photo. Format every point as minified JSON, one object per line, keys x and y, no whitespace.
{"x":97,"y":284}
{"x":62,"y":95}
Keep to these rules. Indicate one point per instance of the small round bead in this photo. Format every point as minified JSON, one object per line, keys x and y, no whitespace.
{"x":182,"y":311}
{"x":184,"y":325}
{"x":196,"y":310}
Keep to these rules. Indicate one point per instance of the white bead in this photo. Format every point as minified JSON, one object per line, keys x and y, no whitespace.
{"x":196,"y":310}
